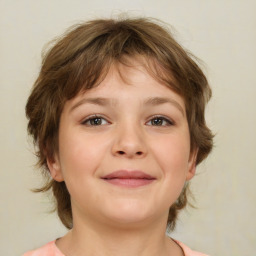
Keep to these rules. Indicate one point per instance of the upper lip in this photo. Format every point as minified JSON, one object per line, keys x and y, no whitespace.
{"x":124,"y":174}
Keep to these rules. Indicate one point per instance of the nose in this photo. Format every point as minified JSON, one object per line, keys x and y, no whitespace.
{"x":129,"y":142}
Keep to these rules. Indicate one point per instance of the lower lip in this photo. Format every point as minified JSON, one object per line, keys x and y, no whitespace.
{"x":129,"y":183}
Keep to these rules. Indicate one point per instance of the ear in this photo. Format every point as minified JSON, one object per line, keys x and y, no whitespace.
{"x":55,"y":168}
{"x":192,"y":164}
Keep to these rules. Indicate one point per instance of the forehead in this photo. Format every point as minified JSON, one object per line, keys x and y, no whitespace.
{"x":130,"y":82}
{"x":128,"y":70}
{"x":133,"y":69}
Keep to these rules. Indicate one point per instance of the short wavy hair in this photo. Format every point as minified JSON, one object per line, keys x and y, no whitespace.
{"x":80,"y":59}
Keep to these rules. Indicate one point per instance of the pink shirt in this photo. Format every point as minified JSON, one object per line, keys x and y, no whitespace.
{"x":51,"y":249}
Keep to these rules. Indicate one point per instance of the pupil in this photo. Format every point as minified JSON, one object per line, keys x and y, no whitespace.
{"x":96,"y":121}
{"x":157,"y":121}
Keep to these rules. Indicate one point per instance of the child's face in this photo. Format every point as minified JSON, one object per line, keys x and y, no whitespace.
{"x":134,"y":125}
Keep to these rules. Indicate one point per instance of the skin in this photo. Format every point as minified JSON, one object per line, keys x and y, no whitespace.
{"x":132,"y":128}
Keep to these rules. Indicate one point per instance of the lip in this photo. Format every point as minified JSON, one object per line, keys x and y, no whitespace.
{"x":130,"y":179}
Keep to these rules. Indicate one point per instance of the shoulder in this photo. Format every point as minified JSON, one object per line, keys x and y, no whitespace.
{"x":188,"y":251}
{"x":49,"y":249}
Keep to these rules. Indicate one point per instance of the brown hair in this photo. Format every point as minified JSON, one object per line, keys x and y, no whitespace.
{"x":81,"y":58}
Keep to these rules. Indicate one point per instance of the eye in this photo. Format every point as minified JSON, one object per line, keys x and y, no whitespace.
{"x":160,"y":121}
{"x":95,"y":121}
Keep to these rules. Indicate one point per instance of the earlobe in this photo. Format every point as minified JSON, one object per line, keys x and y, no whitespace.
{"x":54,"y":167}
{"x":192,"y":165}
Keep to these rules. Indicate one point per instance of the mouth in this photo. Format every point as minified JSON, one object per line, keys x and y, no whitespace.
{"x":130,"y":179}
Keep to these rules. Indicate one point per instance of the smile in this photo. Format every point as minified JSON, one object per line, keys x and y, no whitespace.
{"x":130,"y":179}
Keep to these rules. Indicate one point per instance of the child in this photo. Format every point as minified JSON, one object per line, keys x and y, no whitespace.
{"x":117,"y":115}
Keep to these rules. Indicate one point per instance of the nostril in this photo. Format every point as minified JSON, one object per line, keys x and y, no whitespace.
{"x":120,"y":152}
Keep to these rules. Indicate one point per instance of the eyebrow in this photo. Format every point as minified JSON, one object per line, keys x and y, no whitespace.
{"x":153,"y":101}
{"x":95,"y":101}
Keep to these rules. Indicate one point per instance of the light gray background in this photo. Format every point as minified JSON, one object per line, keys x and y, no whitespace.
{"x":222,"y":33}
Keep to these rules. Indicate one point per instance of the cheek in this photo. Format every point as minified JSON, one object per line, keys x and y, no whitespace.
{"x":77,"y":167}
{"x":173,"y":154}
{"x":80,"y":153}
{"x":175,"y":166}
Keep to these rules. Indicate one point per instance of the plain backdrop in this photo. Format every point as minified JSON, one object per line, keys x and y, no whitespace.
{"x":220,"y":32}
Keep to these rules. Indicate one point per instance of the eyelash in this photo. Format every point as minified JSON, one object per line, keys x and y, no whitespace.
{"x":163,"y":119}
{"x":90,"y":119}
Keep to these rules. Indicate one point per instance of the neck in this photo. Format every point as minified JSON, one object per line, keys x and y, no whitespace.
{"x":105,"y":240}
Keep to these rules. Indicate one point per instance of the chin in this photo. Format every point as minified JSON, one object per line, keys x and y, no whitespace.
{"x":132,"y":213}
